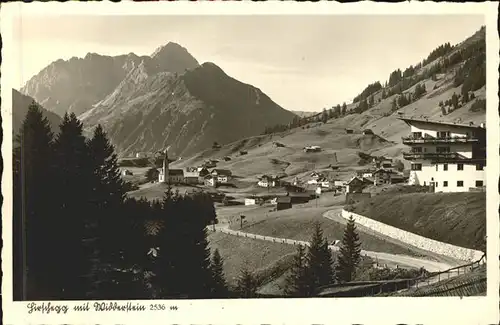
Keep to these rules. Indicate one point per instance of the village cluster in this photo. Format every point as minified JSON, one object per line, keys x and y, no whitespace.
{"x":445,"y":157}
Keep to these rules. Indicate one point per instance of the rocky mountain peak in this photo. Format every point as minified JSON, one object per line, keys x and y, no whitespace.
{"x":174,"y":58}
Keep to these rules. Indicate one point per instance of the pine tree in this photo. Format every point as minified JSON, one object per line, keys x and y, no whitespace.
{"x":320,"y":261}
{"x":35,"y":231}
{"x":185,"y":272}
{"x":297,"y":282}
{"x":73,"y":186}
{"x":246,"y":286}
{"x":371,"y":101}
{"x":338,"y":110}
{"x":151,"y":174}
{"x":454,"y":101}
{"x":108,"y":194}
{"x":324,"y":116}
{"x":350,"y":253}
{"x":219,"y":286}
{"x":394,"y":105}
{"x":344,"y":108}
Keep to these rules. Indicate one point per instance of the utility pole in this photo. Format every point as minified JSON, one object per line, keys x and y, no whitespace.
{"x":241,"y":221}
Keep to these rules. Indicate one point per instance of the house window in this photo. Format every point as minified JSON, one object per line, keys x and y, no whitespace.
{"x":445,"y":166}
{"x":437,"y":167}
{"x":416,"y":166}
{"x":445,"y":183}
{"x":460,"y":166}
{"x":442,"y":149}
{"x":416,"y":149}
{"x":417,"y":135}
{"x":443,"y":134}
{"x":479,"y":183}
{"x":460,"y":183}
{"x":436,"y":184}
{"x":479,"y":167}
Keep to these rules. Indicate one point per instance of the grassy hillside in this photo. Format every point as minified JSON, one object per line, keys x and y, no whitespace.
{"x":455,"y":218}
{"x":298,"y":224}
{"x":258,"y":255}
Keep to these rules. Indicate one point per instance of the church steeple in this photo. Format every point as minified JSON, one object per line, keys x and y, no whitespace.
{"x":165,"y":167}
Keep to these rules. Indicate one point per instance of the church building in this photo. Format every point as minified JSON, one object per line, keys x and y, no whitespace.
{"x":167,"y":175}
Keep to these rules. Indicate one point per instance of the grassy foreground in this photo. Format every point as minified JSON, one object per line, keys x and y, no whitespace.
{"x":298,"y":224}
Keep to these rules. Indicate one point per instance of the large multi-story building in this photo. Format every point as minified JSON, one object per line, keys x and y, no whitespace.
{"x":450,"y":157}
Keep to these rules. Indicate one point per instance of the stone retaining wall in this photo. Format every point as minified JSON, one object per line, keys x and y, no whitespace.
{"x":461,"y":253}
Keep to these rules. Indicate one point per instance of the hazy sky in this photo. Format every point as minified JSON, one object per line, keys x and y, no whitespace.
{"x":301,"y":62}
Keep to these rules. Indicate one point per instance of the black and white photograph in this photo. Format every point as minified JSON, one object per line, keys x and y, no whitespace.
{"x":231,"y":157}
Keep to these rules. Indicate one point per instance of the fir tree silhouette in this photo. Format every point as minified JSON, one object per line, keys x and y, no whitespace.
{"x":297,"y":282}
{"x":350,"y":253}
{"x":73,"y":187}
{"x":320,"y":261}
{"x":34,"y":227}
{"x":246,"y":286}
{"x":219,"y":289}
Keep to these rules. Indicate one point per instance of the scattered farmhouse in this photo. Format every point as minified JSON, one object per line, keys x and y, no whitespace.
{"x":357,"y":185}
{"x":191,"y":175}
{"x":283,"y":203}
{"x":226,"y":158}
{"x":449,"y":157}
{"x":222,"y":175}
{"x":267,"y":181}
{"x":210,"y":164}
{"x":367,"y":132}
{"x":312,"y":149}
{"x":387,"y":176}
{"x":349,"y":131}
{"x":300,"y":197}
{"x":365,"y":173}
{"x":250,"y":201}
{"x":210,"y":180}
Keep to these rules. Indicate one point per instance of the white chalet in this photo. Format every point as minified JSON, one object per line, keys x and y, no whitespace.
{"x":450,"y":157}
{"x":222,"y":175}
{"x":266,"y":181}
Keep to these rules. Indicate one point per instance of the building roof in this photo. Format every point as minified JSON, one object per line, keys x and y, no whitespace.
{"x":299,"y":194}
{"x":354,"y":180}
{"x":175,"y":172}
{"x":284,"y":199}
{"x":408,"y":121}
{"x":383,"y":170}
{"x":223,"y":172}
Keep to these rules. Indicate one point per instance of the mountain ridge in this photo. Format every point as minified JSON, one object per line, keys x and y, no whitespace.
{"x":149,"y":102}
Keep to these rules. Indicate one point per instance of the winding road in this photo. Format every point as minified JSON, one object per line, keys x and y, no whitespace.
{"x":392,"y":260}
